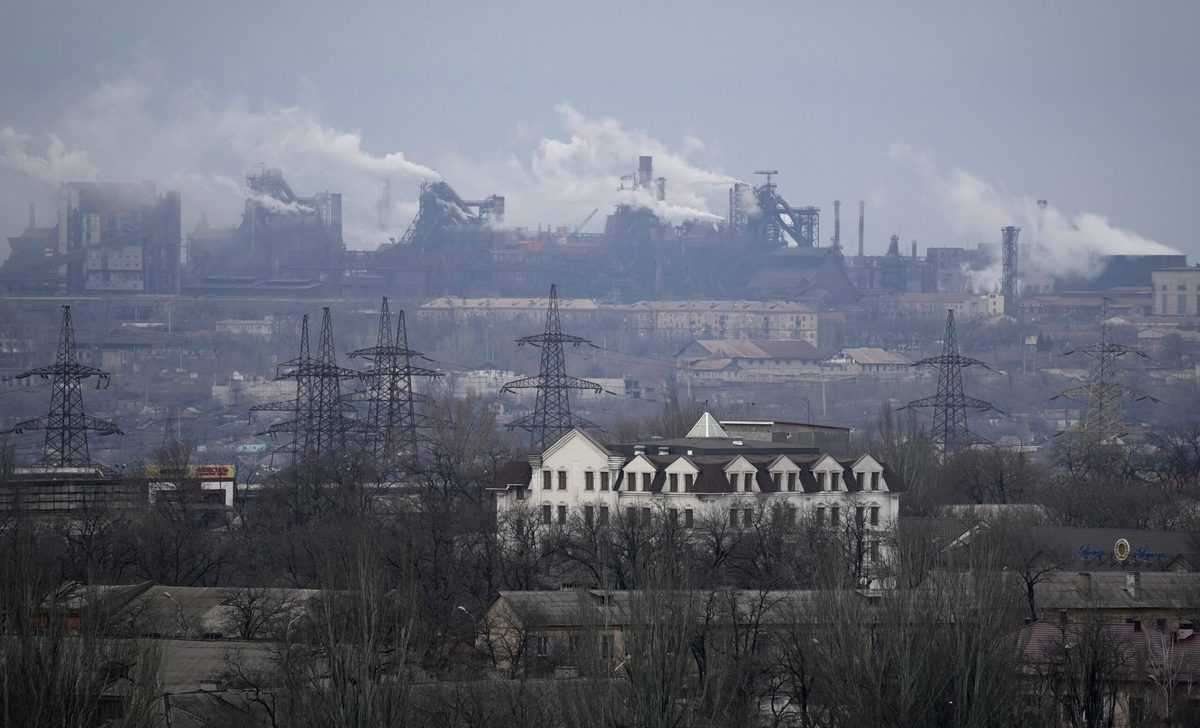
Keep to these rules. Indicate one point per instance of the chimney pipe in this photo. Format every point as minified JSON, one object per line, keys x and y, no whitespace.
{"x":660,"y":189}
{"x":862,"y":211}
{"x":645,"y":171}
{"x":914,"y":248}
{"x":32,"y":215}
{"x":837,"y":223}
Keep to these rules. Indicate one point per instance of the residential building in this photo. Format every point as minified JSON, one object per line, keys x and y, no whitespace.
{"x":870,"y":361}
{"x":706,"y":476}
{"x":747,"y":360}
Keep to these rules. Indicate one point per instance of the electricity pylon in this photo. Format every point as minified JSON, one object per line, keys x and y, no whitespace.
{"x":551,"y":414}
{"x":392,"y":419}
{"x":1103,"y":391}
{"x":950,"y":404}
{"x":66,"y":424}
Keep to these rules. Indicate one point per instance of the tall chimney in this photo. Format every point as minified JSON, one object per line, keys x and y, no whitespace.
{"x":645,"y":171}
{"x":660,"y":189}
{"x":914,"y":248}
{"x":837,"y":223}
{"x":862,"y":211}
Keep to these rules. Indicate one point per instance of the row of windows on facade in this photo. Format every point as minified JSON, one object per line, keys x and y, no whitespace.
{"x":599,"y":515}
{"x":833,"y":482}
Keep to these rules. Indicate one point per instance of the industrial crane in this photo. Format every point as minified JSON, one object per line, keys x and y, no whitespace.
{"x":586,"y":220}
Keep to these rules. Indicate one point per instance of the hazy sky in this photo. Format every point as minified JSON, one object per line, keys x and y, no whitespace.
{"x":947,"y":117}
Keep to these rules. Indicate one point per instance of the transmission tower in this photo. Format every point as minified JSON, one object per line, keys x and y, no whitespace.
{"x":551,"y":414}
{"x":950,"y":404}
{"x":318,"y":426}
{"x":1103,"y":392}
{"x":1010,"y":285}
{"x":66,"y":424}
{"x":392,"y":420}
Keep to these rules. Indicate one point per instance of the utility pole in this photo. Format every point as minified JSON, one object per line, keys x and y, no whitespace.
{"x":392,"y":420}
{"x":950,"y":404}
{"x":66,"y":424}
{"x":551,"y":414}
{"x":1103,"y":392}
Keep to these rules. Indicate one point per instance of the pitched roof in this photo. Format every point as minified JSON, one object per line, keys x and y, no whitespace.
{"x":707,"y":426}
{"x":759,"y":348}
{"x":514,"y":472}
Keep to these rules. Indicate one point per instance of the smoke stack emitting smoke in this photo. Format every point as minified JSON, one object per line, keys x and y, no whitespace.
{"x":135,"y":128}
{"x":1064,"y":246}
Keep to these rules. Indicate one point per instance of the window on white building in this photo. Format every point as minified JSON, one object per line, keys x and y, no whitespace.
{"x":589,"y":480}
{"x":646,"y":482}
{"x":603,"y":515}
{"x":604,"y":480}
{"x":546,"y":476}
{"x":791,"y":482}
{"x":562,"y":515}
{"x":674,"y":477}
{"x":689,"y":480}
{"x":875,"y":480}
{"x":835,"y":516}
{"x":688,"y":518}
{"x":820,"y":515}
{"x":589,"y":514}
{"x":546,"y":512}
{"x":874,"y":515}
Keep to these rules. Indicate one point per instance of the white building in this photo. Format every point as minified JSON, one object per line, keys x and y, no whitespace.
{"x":703,"y":478}
{"x":1176,"y":292}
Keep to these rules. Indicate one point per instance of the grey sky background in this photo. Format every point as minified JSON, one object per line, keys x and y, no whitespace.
{"x":948,"y":117}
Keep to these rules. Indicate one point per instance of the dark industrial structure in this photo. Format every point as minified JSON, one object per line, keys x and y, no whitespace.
{"x":66,"y":424}
{"x":109,"y":237}
{"x":950,"y":404}
{"x":1010,"y":281}
{"x":551,"y":414}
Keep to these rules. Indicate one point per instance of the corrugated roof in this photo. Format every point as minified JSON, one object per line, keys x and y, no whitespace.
{"x":870,"y":355}
{"x":760,"y":348}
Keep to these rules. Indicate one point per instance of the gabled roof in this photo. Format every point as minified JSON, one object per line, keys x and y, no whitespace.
{"x":566,"y":436}
{"x":707,"y":426}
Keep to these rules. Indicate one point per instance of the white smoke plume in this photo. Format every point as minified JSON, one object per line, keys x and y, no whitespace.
{"x":1054,"y":243}
{"x":571,"y":171}
{"x":138,"y":127}
{"x":58,"y":164}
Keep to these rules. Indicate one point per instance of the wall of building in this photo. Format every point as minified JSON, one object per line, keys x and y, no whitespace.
{"x":1176,"y":292}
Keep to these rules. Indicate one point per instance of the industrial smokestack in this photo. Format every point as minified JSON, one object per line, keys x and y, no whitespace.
{"x":914,"y":249}
{"x":862,"y":211}
{"x":1009,"y":284}
{"x":837,"y":224}
{"x":660,"y":189}
{"x":645,"y":171}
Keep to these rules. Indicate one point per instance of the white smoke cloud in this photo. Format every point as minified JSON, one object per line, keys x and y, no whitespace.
{"x":139,"y":127}
{"x":1054,"y":243}
{"x":57,"y":165}
{"x":570,"y":172}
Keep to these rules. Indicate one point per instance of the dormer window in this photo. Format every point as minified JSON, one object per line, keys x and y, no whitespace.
{"x":791,"y":482}
{"x":875,"y":480}
{"x":748,"y":482}
{"x":646,"y":482}
{"x":674,"y":478}
{"x":777,"y":477}
{"x":689,"y":480}
{"x":837,"y":480}
{"x":821,"y":482}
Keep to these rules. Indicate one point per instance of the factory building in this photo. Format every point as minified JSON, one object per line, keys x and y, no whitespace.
{"x":109,"y":237}
{"x":285,"y":243}
{"x":1176,"y":292}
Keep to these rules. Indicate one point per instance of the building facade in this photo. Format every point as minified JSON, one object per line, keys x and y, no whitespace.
{"x":1176,"y":292}
{"x":707,"y":477}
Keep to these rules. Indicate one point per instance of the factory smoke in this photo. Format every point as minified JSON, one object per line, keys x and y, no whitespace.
{"x":1054,"y":243}
{"x":139,"y":127}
